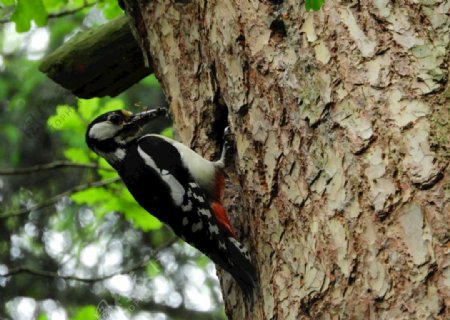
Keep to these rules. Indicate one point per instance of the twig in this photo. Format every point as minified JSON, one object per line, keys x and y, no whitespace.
{"x":51,"y":166}
{"x":61,"y":13}
{"x":69,"y":12}
{"x":54,"y":199}
{"x":50,"y":274}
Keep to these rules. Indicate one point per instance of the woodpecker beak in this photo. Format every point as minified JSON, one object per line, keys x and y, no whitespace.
{"x":142,"y":118}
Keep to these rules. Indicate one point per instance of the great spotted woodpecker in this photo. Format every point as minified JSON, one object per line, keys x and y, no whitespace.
{"x":176,"y":185}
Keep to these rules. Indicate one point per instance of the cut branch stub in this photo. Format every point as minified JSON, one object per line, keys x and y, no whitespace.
{"x":102,"y":61}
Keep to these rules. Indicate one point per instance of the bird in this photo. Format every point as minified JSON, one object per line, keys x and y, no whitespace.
{"x":176,"y":185}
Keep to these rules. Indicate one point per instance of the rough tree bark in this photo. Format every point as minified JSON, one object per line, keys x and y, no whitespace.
{"x":340,"y":184}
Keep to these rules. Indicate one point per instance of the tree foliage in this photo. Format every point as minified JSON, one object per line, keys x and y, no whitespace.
{"x":27,"y":12}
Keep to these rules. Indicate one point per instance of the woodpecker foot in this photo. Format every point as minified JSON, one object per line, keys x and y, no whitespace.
{"x":163,"y":112}
{"x":227,"y":134}
{"x":227,"y":148}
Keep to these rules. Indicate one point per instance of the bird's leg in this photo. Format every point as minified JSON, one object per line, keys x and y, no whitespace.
{"x":227,"y":147}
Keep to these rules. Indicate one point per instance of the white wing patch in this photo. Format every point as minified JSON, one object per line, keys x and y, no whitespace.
{"x":187,"y":207}
{"x":191,"y":194}
{"x":202,"y":170}
{"x":205,"y":212}
{"x":240,"y":247}
{"x":197,"y":226}
{"x":103,"y":130}
{"x":213,"y":229}
{"x":176,"y":189}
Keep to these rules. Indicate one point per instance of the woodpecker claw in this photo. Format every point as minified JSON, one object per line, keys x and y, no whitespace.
{"x":227,"y":134}
{"x":227,"y":146}
{"x":163,"y":112}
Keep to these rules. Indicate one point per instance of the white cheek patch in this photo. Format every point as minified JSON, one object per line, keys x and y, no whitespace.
{"x":103,"y":131}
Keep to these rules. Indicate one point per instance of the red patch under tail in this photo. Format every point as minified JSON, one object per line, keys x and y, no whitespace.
{"x":222,"y":218}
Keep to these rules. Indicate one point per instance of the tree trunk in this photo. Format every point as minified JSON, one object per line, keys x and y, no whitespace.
{"x":340,"y":184}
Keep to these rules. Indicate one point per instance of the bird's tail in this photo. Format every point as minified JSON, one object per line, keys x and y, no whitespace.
{"x":242,"y":269}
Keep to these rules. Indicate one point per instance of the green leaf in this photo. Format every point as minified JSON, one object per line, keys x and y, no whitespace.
{"x":12,"y":134}
{"x":11,"y":131}
{"x":105,"y":174}
{"x":92,"y":196}
{"x":70,"y":125}
{"x":112,"y":10}
{"x":112,"y":104}
{"x":135,"y":213}
{"x":167,"y":132}
{"x":7,"y":2}
{"x":150,"y":81}
{"x":54,"y":4}
{"x":42,"y":317}
{"x":27,"y":11}
{"x":141,"y":219}
{"x":118,"y":199}
{"x":86,"y":313}
{"x":64,"y":118}
{"x":202,"y":261}
{"x":4,"y":87}
{"x":77,"y":155}
{"x":87,"y":108}
{"x":153,"y":269}
{"x":314,"y":5}
{"x":59,"y":29}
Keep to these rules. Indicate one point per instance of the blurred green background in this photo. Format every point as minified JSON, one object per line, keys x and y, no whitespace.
{"x":53,"y":225}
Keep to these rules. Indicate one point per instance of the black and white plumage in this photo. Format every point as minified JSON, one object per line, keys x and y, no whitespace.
{"x":174,"y":184}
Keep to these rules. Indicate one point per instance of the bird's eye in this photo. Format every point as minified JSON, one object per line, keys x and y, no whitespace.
{"x":115,"y":118}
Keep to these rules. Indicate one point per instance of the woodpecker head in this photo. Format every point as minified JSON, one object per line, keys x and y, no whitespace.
{"x":112,"y":131}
